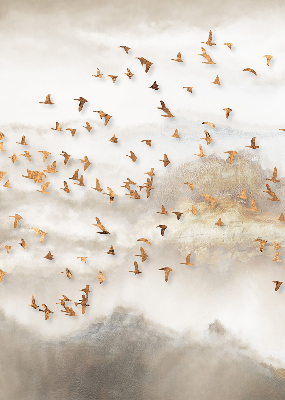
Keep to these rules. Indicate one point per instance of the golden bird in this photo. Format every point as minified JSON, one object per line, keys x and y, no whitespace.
{"x":98,"y":188}
{"x":145,"y":62}
{"x":83,"y":259}
{"x":113,"y":77}
{"x":40,"y":232}
{"x":165,"y":160}
{"x":278,"y":284}
{"x":250,"y":70}
{"x":276,"y":245}
{"x":75,"y":175}
{"x":167,"y":271}
{"x":8,"y":248}
{"x":271,"y":193}
{"x":2,"y":273}
{"x":150,"y":173}
{"x":82,"y":101}
{"x":27,"y":155}
{"x":175,"y":134}
{"x":281,"y":218}
{"x":66,"y":156}
{"x":33,"y":303}
{"x":51,"y":169}
{"x":44,"y":187}
{"x":67,"y":273}
{"x":243,"y":195}
{"x":147,"y":142}
{"x":253,"y":208}
{"x":165,"y":109}
{"x":189,"y":88}
{"x":47,"y":100}
{"x":45,"y":153}
{"x":129,"y":74}
{"x":144,"y":240}
{"x":261,"y":243}
{"x":102,"y":227}
{"x":2,"y":135}
{"x":207,"y":138}
{"x":113,"y":139}
{"x":217,"y":80}
{"x":194,"y":211}
{"x":229,"y":45}
{"x":201,"y":154}
{"x":72,"y":131}
{"x":99,"y":75}
{"x":205,"y":55}
{"x":80,"y":181}
{"x":154,"y":86}
{"x":37,"y":176}
{"x":23,"y":243}
{"x":143,"y":254}
{"x":133,"y":157}
{"x":219,"y":222}
{"x":23,"y":141}
{"x":104,"y":115}
{"x":276,"y":258}
{"x":57,"y":127}
{"x":1,"y":146}
{"x":209,"y":199}
{"x":273,"y":179}
{"x":66,"y":188}
{"x":17,"y":219}
{"x":178,"y":214}
{"x":7,"y":184}
{"x":252,"y":144}
{"x":100,"y":277}
{"x":86,"y":162}
{"x":88,"y":127}
{"x":268,"y":58}
{"x":191,"y":185}
{"x":111,"y":251}
{"x":111,"y":194}
{"x":136,"y":271}
{"x":188,"y":261}
{"x":228,"y":111}
{"x":47,"y":311}
{"x":14,"y":158}
{"x":209,"y":123}
{"x":49,"y":256}
{"x":83,"y":303}
{"x":163,"y":228}
{"x":232,"y":153}
{"x":209,"y":41}
{"x":125,"y":48}
{"x":178,"y":58}
{"x":2,"y":174}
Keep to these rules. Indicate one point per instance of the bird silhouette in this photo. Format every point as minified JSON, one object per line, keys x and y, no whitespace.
{"x":144,"y":240}
{"x":2,"y":135}
{"x":82,"y":101}
{"x":40,"y":232}
{"x":209,"y":123}
{"x":129,"y":74}
{"x":228,"y":111}
{"x":67,"y":273}
{"x":167,"y":271}
{"x":113,"y":139}
{"x":209,"y":199}
{"x":268,"y":58}
{"x":37,"y":176}
{"x":7,"y":184}
{"x":274,"y":176}
{"x":145,"y":62}
{"x":201,"y":154}
{"x":100,"y":277}
{"x":86,"y":290}
{"x":104,"y":115}
{"x":27,"y":155}
{"x":219,"y":222}
{"x":271,"y":193}
{"x":232,"y":153}
{"x":57,"y":127}
{"x":178,"y":58}
{"x":75,"y":175}
{"x":276,"y":258}
{"x":72,"y":130}
{"x":44,"y":187}
{"x":278,"y":284}
{"x":250,"y":70}
{"x":253,"y":208}
{"x":51,"y":169}
{"x":150,"y":173}
{"x":33,"y":303}
{"x":229,"y":45}
{"x":113,"y":77}
{"x":243,"y":195}
{"x":47,"y":100}
{"x":88,"y":127}
{"x":45,"y":153}
{"x":188,"y":261}
{"x":217,"y":80}
{"x":111,"y":194}
{"x":209,"y":41}
{"x":205,"y":55}
{"x":281,"y":218}
{"x":99,"y":75}
{"x":17,"y":219}
{"x":49,"y":256}
{"x":100,"y":226}
{"x":261,"y":243}
{"x":83,"y":303}
{"x":175,"y":134}
{"x":276,"y":245}
{"x":111,"y":251}
{"x":80,"y":180}
{"x":2,"y":174}
{"x":86,"y":162}
{"x":163,"y":228}
{"x":165,"y":109}
{"x":133,"y":157}
{"x":98,"y":188}
{"x":143,"y":254}
{"x":23,"y":141}
{"x":66,"y":156}
{"x":193,"y":210}
{"x":126,"y":49}
{"x":189,"y":88}
{"x":23,"y":243}
{"x":1,"y":146}
{"x":8,"y":248}
{"x":154,"y":86}
{"x":47,"y":311}
{"x":136,"y":271}
{"x":177,"y":213}
{"x":83,"y":259}
{"x":148,"y":142}
{"x":207,"y":138}
{"x":66,"y":188}
{"x":191,"y":185}
{"x":14,"y":158}
{"x":252,"y":144}
{"x":165,"y":160}
{"x":2,"y":274}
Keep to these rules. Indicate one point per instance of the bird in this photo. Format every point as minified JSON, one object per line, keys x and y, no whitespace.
{"x":232,"y":154}
{"x":250,"y":70}
{"x":193,"y":210}
{"x":217,"y":80}
{"x":271,"y":193}
{"x":165,"y":160}
{"x":66,"y":157}
{"x":67,"y":273}
{"x":209,"y":123}
{"x":2,"y":135}
{"x":252,"y":144}
{"x":80,"y":180}
{"x":209,"y":41}
{"x":281,"y":218}
{"x":177,"y":213}
{"x":126,"y":49}
{"x":51,"y":168}
{"x":163,"y":228}
{"x":276,"y":245}
{"x":113,"y":77}
{"x":167,"y":271}
{"x":88,"y":127}
{"x":113,"y":139}
{"x":45,"y":153}
{"x":14,"y":158}
{"x":205,"y":55}
{"x":227,"y":110}
{"x":57,"y":127}
{"x":104,"y":115}
{"x":129,"y":74}
{"x":145,"y":62}
{"x":136,"y":271}
{"x":276,"y":258}
{"x":47,"y":100}
{"x":229,"y":45}
{"x":83,"y":303}
{"x":207,"y":138}
{"x":98,"y":188}
{"x":191,"y":185}
{"x":144,"y":240}
{"x":175,"y":134}
{"x":86,"y":162}
{"x":86,"y":290}
{"x":253,"y":208}
{"x":219,"y":222}
{"x":154,"y":86}
{"x":17,"y":219}
{"x":37,"y":176}
{"x":82,"y":101}
{"x":111,"y":251}
{"x":210,"y":199}
{"x":268,"y":58}
{"x":40,"y":232}
{"x":100,"y":277}
{"x":72,"y":131}
{"x":165,"y":109}
{"x":83,"y":259}
{"x":2,"y":273}
{"x":44,"y":187}
{"x":178,"y":58}
{"x":47,"y":311}
{"x":33,"y":303}
{"x":143,"y":254}
{"x":75,"y":175}
{"x":27,"y":155}
{"x":188,"y":261}
{"x":133,"y":157}
{"x":278,"y":284}
{"x":2,"y":174}
{"x":150,"y":173}
{"x":23,"y":141}
{"x":261,"y":243}
{"x":7,"y":184}
{"x":23,"y":243}
{"x":274,"y":176}
{"x":201,"y":154}
{"x":100,"y":226}
{"x":8,"y":248}
{"x":99,"y":75}
{"x":66,"y":188}
{"x":243,"y":195}
{"x":147,"y":142}
{"x":111,"y":194}
{"x":49,"y":256}
{"x":1,"y":146}
{"x":189,"y":88}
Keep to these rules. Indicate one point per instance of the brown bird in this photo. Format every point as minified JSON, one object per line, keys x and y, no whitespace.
{"x":2,"y":174}
{"x":2,"y":135}
{"x":217,"y":80}
{"x":17,"y":219}
{"x":47,"y":311}
{"x":40,"y":232}
{"x":229,"y":45}
{"x":57,"y":127}
{"x":45,"y":153}
{"x":253,"y":208}
{"x":113,"y":139}
{"x":188,"y":261}
{"x":27,"y":155}
{"x":111,"y":194}
{"x":207,"y":138}
{"x":143,"y":254}
{"x":75,"y":175}
{"x":145,"y":62}
{"x":201,"y":154}
{"x":14,"y":158}
{"x":144,"y":240}
{"x":205,"y":55}
{"x":243,"y":195}
{"x":86,"y":162}
{"x":227,"y":110}
{"x":8,"y":248}
{"x":51,"y":168}
{"x":100,"y":277}
{"x":250,"y":70}
{"x":163,"y":228}
{"x":113,"y":77}
{"x":111,"y":251}
{"x":278,"y":284}
{"x":66,"y":188}
{"x":2,"y":273}
{"x":33,"y":303}
{"x":23,"y":141}
{"x":209,"y":123}
{"x":86,"y":290}
{"x":281,"y":218}
{"x":177,"y":213}
{"x":136,"y":271}
{"x":178,"y":58}
{"x":44,"y":187}
{"x":133,"y":157}
{"x":80,"y":181}
{"x":72,"y":130}
{"x":189,"y":88}
{"x":88,"y":127}
{"x":67,"y":273}
{"x":83,"y":259}
{"x":126,"y":49}
{"x":165,"y":109}
{"x":1,"y":146}
{"x":37,"y":176}
{"x":273,"y":179}
{"x":82,"y":101}
{"x":129,"y":74}
{"x":272,"y":194}
{"x":276,"y":245}
{"x":154,"y":86}
{"x":104,"y":115}
{"x":49,"y":256}
{"x":232,"y":153}
{"x":165,"y":160}
{"x":167,"y":271}
{"x":7,"y":184}
{"x":175,"y":134}
{"x":98,"y":188}
{"x":150,"y":173}
{"x":252,"y":144}
{"x":191,"y":185}
{"x":261,"y":243}
{"x":210,"y":199}
{"x":83,"y":303}
{"x":23,"y":243}
{"x":209,"y":41}
{"x":47,"y":100}
{"x":268,"y":58}
{"x":100,"y":226}
{"x":219,"y":222}
{"x":194,"y":211}
{"x":99,"y":75}
{"x":148,"y":142}
{"x":66,"y":157}
{"x":276,"y":258}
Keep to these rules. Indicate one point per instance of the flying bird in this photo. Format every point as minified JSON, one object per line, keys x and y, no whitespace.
{"x":47,"y":311}
{"x":86,"y":290}
{"x":229,"y":45}
{"x":143,"y":254}
{"x":144,"y":240}
{"x":98,"y":188}
{"x":125,"y":48}
{"x":111,"y":194}
{"x":268,"y":58}
{"x":253,"y":208}
{"x":278,"y":284}
{"x":165,"y":160}
{"x":113,"y":77}
{"x":67,"y":273}
{"x":205,"y":55}
{"x":175,"y":134}
{"x":23,"y":141}
{"x":178,"y":58}
{"x":99,"y":75}
{"x":1,"y":146}
{"x":145,"y":62}
{"x":276,"y":245}
{"x":136,"y":271}
{"x":281,"y":218}
{"x":133,"y":157}
{"x":150,"y":173}
{"x":177,"y":213}
{"x":2,"y":135}
{"x":104,"y":115}
{"x":100,"y":277}
{"x":209,"y":41}
{"x":75,"y":175}
{"x":100,"y":226}
{"x":217,"y":80}
{"x":14,"y":158}
{"x":261,"y":243}
{"x":72,"y":131}
{"x":33,"y":303}
{"x":227,"y":110}
{"x":8,"y":248}
{"x":88,"y":127}
{"x":147,"y":142}
{"x":209,"y":123}
{"x":66,"y":188}
{"x":37,"y":176}
{"x":191,"y":185}
{"x":23,"y":243}
{"x":57,"y":127}
{"x":83,"y":259}
{"x":129,"y":74}
{"x":154,"y":86}
{"x":188,"y":261}
{"x":276,"y":258}
{"x":209,"y":199}
{"x":82,"y":101}
{"x":49,"y":256}
{"x":232,"y":153}
{"x":193,"y":210}
{"x":66,"y":156}
{"x":113,"y":139}
{"x":80,"y":180}
{"x":27,"y":155}
{"x":167,"y":271}
{"x":44,"y":187}
{"x":51,"y":169}
{"x":111,"y":251}
{"x":2,"y":174}
{"x":273,"y":179}
{"x":86,"y":162}
{"x":250,"y":70}
{"x":271,"y":193}
{"x":40,"y":232}
{"x":252,"y":144}
{"x":165,"y":109}
{"x":17,"y":219}
{"x":45,"y":153}
{"x":189,"y":88}
{"x":2,"y":274}
{"x":201,"y":154}
{"x":163,"y":228}
{"x":83,"y":303}
{"x":207,"y":138}
{"x":47,"y":100}
{"x":7,"y":184}
{"x":243,"y":195}
{"x":219,"y":222}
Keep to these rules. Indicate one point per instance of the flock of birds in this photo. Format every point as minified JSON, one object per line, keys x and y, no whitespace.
{"x":38,"y":176}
